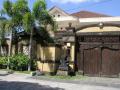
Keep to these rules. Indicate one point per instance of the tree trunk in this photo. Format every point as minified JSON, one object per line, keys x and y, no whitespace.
{"x":3,"y":51}
{"x":9,"y":51}
{"x":0,"y":50}
{"x":30,"y":50}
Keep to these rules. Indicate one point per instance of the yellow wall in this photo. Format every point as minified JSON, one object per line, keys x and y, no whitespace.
{"x":72,"y":55}
{"x":72,"y":51}
{"x":97,"y":29}
{"x":46,"y":53}
{"x":46,"y":67}
{"x":49,"y":53}
{"x":58,"y":53}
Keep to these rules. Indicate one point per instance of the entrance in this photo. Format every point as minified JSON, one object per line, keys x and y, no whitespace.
{"x":101,"y":62}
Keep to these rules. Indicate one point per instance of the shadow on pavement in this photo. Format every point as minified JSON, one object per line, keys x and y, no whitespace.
{"x":4,"y":74}
{"x":4,"y":85}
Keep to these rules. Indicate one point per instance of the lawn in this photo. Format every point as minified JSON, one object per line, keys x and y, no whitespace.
{"x":24,"y":72}
{"x":55,"y":77}
{"x":61,"y":77}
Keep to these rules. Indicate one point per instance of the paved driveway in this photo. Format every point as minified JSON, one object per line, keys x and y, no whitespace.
{"x":24,"y":82}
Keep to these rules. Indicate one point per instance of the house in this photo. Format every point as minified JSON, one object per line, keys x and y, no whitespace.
{"x":91,"y":42}
{"x":92,"y":39}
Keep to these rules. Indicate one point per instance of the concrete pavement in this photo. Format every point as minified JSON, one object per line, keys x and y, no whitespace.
{"x":24,"y":82}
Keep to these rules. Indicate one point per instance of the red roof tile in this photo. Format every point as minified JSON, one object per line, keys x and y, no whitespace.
{"x":88,"y":14}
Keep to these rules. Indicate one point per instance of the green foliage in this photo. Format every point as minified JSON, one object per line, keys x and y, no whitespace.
{"x":63,"y":77}
{"x":21,"y":7}
{"x":4,"y":25}
{"x":3,"y":60}
{"x":16,"y":10}
{"x":2,"y":32}
{"x":28,"y":21}
{"x":20,"y":15}
{"x":7,"y":5}
{"x":2,"y":12}
{"x":45,"y":36}
{"x":38,"y":8}
{"x":19,"y":62}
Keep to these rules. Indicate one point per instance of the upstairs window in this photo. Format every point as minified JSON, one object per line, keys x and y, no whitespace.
{"x":58,"y":15}
{"x":53,"y":15}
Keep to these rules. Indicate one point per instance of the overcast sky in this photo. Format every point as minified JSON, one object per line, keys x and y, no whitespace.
{"x":109,"y":7}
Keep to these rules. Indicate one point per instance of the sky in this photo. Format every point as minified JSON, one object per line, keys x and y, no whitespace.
{"x":108,"y":7}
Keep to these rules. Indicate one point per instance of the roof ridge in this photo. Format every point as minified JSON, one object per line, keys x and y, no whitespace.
{"x":90,"y":12}
{"x":82,"y":13}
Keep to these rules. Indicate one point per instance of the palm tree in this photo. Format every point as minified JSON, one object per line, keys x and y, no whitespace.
{"x":5,"y":26}
{"x":2,"y":32}
{"x":2,"y":29}
{"x":43,"y":19}
{"x":15,"y":12}
{"x":21,"y":16}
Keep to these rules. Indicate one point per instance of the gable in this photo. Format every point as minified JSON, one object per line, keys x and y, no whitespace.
{"x":57,"y":12}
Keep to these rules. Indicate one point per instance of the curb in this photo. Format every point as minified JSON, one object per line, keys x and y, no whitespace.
{"x":84,"y":82}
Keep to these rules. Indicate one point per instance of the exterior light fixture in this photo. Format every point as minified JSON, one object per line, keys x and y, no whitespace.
{"x":68,"y":45}
{"x":101,"y":25}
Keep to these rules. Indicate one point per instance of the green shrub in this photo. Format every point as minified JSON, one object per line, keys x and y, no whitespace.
{"x":3,"y":62}
{"x":19,"y":62}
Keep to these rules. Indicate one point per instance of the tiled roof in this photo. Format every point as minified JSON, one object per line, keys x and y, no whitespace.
{"x":88,"y":14}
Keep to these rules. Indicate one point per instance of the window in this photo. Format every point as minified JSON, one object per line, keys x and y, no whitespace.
{"x":53,"y":15}
{"x":61,"y":28}
{"x":58,"y":15}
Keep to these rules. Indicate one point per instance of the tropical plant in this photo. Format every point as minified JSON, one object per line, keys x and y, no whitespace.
{"x":2,"y":31}
{"x":5,"y":26}
{"x":19,"y":62}
{"x":20,"y":15}
{"x":3,"y":62}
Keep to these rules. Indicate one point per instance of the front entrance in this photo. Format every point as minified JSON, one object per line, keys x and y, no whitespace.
{"x":101,"y":61}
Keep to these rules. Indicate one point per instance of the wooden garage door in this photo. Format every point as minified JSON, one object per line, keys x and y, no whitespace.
{"x":110,"y":62}
{"x":92,"y":61}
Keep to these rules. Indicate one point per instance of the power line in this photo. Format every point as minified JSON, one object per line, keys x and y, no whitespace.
{"x":86,"y":6}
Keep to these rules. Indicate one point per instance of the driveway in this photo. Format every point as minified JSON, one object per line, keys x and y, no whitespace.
{"x":24,"y":82}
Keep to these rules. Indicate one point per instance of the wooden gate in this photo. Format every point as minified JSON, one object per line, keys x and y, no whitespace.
{"x":99,"y":55}
{"x":110,"y":62}
{"x":101,"y":62}
{"x":92,"y":60}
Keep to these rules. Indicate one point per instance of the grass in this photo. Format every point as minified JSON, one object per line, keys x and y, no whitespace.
{"x":3,"y":69}
{"x":24,"y":72}
{"x":61,"y":77}
{"x":55,"y":77}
